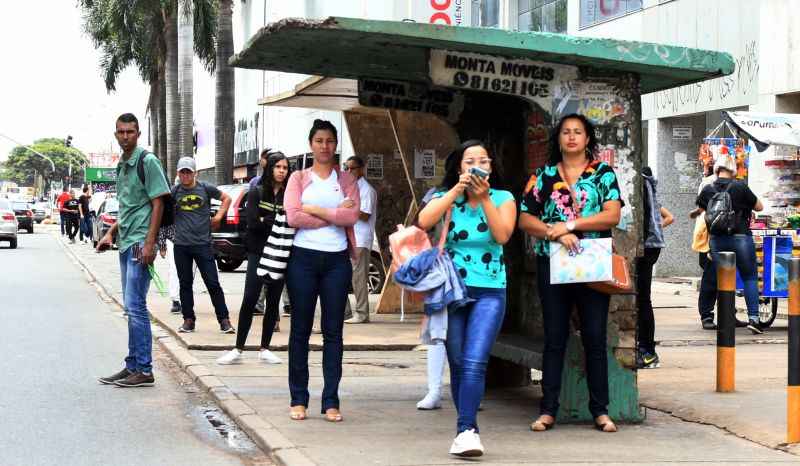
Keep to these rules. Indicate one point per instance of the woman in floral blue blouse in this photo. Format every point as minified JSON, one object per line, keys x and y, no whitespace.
{"x":550,"y":212}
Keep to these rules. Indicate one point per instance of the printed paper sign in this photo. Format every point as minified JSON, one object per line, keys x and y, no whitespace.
{"x":424,"y":164}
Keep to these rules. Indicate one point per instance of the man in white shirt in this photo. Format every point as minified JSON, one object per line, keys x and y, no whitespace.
{"x":365,"y":231}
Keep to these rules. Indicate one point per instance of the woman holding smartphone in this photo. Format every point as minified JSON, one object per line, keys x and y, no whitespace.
{"x":483,"y":219}
{"x":322,"y":203}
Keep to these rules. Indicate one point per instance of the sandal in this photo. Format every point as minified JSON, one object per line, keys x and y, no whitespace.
{"x":540,"y":426}
{"x":607,"y":427}
{"x":297,"y":413}
{"x":333,"y":415}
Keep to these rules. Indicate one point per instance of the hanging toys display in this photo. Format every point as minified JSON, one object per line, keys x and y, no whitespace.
{"x":735,"y":147}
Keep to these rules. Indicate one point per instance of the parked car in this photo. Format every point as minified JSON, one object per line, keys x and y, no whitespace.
{"x":229,"y":242}
{"x":40,"y":211}
{"x":24,"y":215}
{"x":106,"y":218}
{"x":8,"y":223}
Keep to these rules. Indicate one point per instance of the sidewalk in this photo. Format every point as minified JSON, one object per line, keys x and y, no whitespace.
{"x":380,"y":388}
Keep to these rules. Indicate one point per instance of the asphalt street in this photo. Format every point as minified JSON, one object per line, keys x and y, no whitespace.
{"x":58,"y":337}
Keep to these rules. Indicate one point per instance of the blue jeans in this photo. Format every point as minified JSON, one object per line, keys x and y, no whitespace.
{"x":310,"y":275}
{"x":557,"y":304}
{"x":745,"y":250}
{"x":203,"y":256}
{"x":86,"y":227}
{"x":471,"y":333}
{"x":135,"y":283}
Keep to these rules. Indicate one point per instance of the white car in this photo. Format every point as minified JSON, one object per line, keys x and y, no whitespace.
{"x":8,"y":223}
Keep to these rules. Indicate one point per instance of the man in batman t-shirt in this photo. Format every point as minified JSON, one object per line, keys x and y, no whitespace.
{"x":193,"y":224}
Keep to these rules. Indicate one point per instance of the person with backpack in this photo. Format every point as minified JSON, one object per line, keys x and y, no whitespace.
{"x":193,"y":225}
{"x":264,"y":213}
{"x":728,"y":205}
{"x":141,"y":206}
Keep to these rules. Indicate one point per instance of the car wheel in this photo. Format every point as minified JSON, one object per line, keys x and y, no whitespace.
{"x":13,"y":243}
{"x":30,"y":230}
{"x":227,"y":264}
{"x":94,"y":243}
{"x":376,"y":274}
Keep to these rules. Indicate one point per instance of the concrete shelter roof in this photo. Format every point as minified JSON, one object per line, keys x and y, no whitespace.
{"x":353,"y":48}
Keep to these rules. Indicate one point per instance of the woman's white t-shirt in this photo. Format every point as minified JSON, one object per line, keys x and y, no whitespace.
{"x":327,"y":194}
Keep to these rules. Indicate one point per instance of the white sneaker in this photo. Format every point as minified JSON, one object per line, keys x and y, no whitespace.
{"x":269,"y":358}
{"x":433,"y":400}
{"x":231,"y":357}
{"x":467,"y":443}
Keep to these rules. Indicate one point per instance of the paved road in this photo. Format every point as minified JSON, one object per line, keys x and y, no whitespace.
{"x":57,"y":337}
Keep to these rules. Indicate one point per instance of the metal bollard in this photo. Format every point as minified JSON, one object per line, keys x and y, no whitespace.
{"x":726,"y":322}
{"x":793,"y":389}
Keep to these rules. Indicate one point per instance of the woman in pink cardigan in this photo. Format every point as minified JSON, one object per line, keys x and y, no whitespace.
{"x":322,"y":203}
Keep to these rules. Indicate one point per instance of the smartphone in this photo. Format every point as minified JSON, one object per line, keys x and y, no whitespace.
{"x":479,"y":172}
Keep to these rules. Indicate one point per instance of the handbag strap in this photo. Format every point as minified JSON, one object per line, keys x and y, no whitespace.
{"x":445,"y":229}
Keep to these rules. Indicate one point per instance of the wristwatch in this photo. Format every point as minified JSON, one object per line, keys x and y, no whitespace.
{"x":570,"y":225}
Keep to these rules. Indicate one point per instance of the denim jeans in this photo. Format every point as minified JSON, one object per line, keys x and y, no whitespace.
{"x":646,"y":321}
{"x":557,"y":304}
{"x":471,"y":333}
{"x":63,"y":222}
{"x":707,"y":297}
{"x":203,"y":256}
{"x":86,"y":227}
{"x":745,"y":250}
{"x":135,"y":283}
{"x":310,"y":275}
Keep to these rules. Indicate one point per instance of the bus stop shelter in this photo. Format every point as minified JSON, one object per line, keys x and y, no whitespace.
{"x":410,"y":92}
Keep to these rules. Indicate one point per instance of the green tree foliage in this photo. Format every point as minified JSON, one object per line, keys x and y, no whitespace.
{"x":22,"y":165}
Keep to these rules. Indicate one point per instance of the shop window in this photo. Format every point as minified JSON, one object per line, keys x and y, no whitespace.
{"x":598,"y":11}
{"x":542,"y":15}
{"x":486,"y":13}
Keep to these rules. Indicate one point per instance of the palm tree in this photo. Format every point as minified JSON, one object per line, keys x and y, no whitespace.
{"x":144,"y":33}
{"x":224,"y":124}
{"x":185,"y":77}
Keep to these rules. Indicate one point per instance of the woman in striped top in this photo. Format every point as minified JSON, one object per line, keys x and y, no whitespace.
{"x":264,"y":202}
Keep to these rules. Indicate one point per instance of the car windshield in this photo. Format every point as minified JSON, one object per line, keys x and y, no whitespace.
{"x":21,"y":206}
{"x":112,"y":205}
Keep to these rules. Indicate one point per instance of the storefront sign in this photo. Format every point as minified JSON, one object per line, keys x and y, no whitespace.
{"x":767,"y":128}
{"x":101,"y":174}
{"x":528,"y":79}
{"x":681,"y":133}
{"x":413,"y":97}
{"x":446,"y":12}
{"x":374,"y":167}
{"x":424,"y":164}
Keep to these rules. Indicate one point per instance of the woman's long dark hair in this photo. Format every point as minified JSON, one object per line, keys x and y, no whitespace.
{"x":555,"y":148}
{"x":267,"y":180}
{"x":453,"y":164}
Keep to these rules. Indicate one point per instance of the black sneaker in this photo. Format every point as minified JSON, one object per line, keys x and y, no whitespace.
{"x":187,"y":326}
{"x":225,"y":326}
{"x":287,"y":310}
{"x":708,"y":324}
{"x":755,"y":327}
{"x":137,"y":379}
{"x":176,"y":307}
{"x":740,"y":323}
{"x":258,"y":311}
{"x":649,"y":360}
{"x":111,"y":379}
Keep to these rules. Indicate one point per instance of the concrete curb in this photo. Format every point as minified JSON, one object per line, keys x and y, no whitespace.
{"x":264,"y":434}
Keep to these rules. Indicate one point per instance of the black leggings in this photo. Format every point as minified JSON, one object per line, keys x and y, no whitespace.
{"x":252,"y":290}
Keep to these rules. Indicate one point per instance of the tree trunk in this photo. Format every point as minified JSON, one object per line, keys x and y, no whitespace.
{"x":224,"y":126}
{"x":162,"y":120}
{"x":185,"y":77}
{"x":173,"y":104}
{"x":152,"y":105}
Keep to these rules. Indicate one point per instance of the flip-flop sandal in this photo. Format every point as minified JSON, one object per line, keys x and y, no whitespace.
{"x":541,"y":426}
{"x":297,"y":413}
{"x":602,"y":427}
{"x":333,"y":417}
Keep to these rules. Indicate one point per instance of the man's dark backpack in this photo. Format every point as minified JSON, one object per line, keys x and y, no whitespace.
{"x":720,"y":216}
{"x":168,"y":215}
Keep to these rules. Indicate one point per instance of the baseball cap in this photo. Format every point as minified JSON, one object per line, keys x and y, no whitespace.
{"x":187,"y":163}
